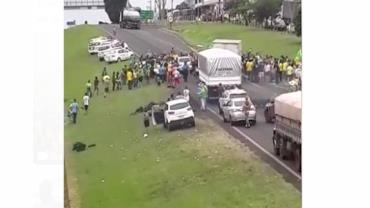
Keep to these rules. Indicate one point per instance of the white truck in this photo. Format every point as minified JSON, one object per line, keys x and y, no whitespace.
{"x":287,"y":131}
{"x":232,"y":45}
{"x":217,"y":66}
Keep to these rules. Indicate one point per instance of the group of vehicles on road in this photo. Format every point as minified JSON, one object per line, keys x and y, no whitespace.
{"x":222,"y":65}
{"x":110,"y":50}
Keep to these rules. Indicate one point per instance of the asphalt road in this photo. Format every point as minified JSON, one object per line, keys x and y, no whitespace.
{"x":258,"y":138}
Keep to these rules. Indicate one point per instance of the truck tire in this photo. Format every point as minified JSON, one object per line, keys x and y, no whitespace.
{"x":283,"y":149}
{"x":275,"y":143}
{"x":298,"y":159}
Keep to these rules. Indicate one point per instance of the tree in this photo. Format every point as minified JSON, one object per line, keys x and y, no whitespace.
{"x":266,"y":8}
{"x":298,"y":22}
{"x":113,"y":9}
{"x":161,"y":5}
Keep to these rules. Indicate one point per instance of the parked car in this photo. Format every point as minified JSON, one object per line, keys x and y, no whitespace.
{"x":93,"y":47}
{"x":118,"y":55}
{"x":102,"y":53}
{"x":178,"y":112}
{"x":99,"y":39}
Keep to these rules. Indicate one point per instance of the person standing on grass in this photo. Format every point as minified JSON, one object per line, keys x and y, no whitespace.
{"x":106,"y":80}
{"x":285,"y":66}
{"x":129,"y":79}
{"x":85,"y":101}
{"x":114,"y":81}
{"x":88,"y":88}
{"x":96,"y":85}
{"x":123,"y":78}
{"x":146,"y":123}
{"x":74,"y":110}
{"x":104,"y":72}
{"x":134,"y":75}
{"x":186,"y":93}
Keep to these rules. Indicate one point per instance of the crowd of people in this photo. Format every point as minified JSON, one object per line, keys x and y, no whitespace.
{"x":165,"y":68}
{"x":271,"y":69}
{"x":143,"y":70}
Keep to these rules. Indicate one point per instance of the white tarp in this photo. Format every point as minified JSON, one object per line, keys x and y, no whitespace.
{"x":289,"y":105}
{"x":217,"y":62}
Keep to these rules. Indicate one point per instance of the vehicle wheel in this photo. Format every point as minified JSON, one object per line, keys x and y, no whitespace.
{"x":298,"y":159}
{"x":225,"y":120}
{"x":170,"y":127}
{"x":275,"y":143}
{"x":192,"y":123}
{"x":283,"y":149}
{"x":231,"y":121}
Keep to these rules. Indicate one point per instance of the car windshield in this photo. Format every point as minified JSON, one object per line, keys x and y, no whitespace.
{"x":239,"y":103}
{"x":240,"y":95}
{"x":179,"y":106}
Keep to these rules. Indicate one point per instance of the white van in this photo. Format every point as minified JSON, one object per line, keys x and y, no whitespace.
{"x":93,"y":48}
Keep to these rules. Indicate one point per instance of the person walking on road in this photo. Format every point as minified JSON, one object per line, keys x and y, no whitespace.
{"x":96,"y":85}
{"x":203,"y":96}
{"x":74,"y":110}
{"x":186,"y":93}
{"x":85,"y":100}
{"x":246,"y":109}
{"x":185,"y":72}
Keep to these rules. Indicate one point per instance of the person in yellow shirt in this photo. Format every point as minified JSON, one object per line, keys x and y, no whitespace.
{"x":129,"y":79}
{"x":280,"y":71}
{"x":289,"y":72}
{"x":284,"y":68}
{"x":249,"y":68}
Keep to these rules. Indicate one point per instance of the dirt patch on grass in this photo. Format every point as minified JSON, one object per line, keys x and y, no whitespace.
{"x":71,"y":196}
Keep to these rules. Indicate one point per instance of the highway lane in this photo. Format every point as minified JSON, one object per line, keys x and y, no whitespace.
{"x":157,"y":40}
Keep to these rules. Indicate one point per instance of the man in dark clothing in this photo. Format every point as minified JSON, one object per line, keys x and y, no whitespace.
{"x":220,"y":90}
{"x":96,"y":85}
{"x":185,"y":72}
{"x":114,"y":81}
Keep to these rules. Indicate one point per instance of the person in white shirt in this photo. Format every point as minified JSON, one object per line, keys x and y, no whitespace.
{"x":85,"y":99}
{"x":267,"y":71}
{"x":186,"y":93}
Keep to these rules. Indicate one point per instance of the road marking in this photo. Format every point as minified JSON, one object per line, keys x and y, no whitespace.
{"x":261,"y":148}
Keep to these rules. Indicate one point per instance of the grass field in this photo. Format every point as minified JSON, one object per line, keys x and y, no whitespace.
{"x":265,"y":42}
{"x":200,"y":167}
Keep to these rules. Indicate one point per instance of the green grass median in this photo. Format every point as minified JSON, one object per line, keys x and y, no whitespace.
{"x":259,"y":40}
{"x":198,"y":167}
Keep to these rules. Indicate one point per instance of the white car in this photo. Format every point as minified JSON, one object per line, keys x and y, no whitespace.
{"x":225,"y":102}
{"x":178,"y":112}
{"x":118,"y":55}
{"x":104,"y":51}
{"x":99,"y":39}
{"x":233,"y":112}
{"x":93,"y":48}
